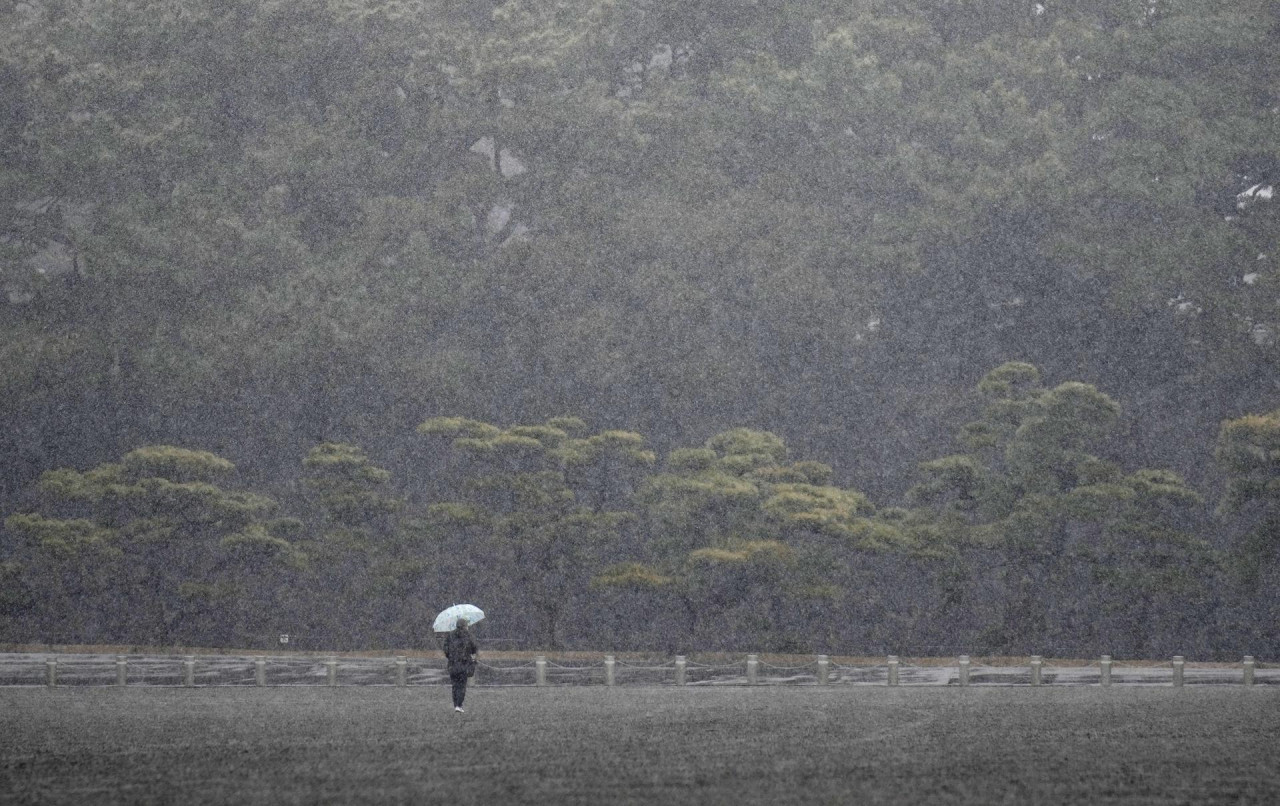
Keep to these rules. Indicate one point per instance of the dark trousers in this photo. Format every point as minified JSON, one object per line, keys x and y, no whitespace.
{"x":459,"y":681}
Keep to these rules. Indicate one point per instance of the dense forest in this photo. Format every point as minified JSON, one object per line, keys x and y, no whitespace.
{"x":773,"y":324}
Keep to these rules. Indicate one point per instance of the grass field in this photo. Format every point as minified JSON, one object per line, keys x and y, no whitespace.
{"x":775,"y":745}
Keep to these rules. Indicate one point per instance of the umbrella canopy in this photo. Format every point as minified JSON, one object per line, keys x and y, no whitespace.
{"x":448,"y":618}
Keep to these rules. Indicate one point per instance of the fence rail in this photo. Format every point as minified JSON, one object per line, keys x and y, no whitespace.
{"x":63,"y":669}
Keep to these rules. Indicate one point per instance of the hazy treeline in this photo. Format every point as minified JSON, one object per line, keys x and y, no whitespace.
{"x":1027,"y":541}
{"x":256,"y":227}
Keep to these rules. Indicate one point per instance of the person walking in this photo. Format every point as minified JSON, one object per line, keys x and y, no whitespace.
{"x":460,"y":650}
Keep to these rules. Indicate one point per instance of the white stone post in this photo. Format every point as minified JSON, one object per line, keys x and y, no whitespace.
{"x":1106,"y":670}
{"x":964,"y":670}
{"x":1037,"y":663}
{"x":893,"y":670}
{"x":189,"y":671}
{"x":681,"y":666}
{"x":1178,"y":664}
{"x":331,"y":671}
{"x":122,"y":670}
{"x":609,"y":665}
{"x":402,"y":666}
{"x":260,"y":672}
{"x":1248,"y":667}
{"x":824,"y":669}
{"x":51,"y":673}
{"x":753,"y":669}
{"x":540,"y":670}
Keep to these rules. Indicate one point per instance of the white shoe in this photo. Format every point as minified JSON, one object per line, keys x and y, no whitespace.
{"x":458,"y":708}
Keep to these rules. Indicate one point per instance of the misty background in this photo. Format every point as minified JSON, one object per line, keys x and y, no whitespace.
{"x":872,"y":326}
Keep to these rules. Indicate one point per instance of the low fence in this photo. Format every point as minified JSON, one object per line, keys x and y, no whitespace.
{"x":59,"y":669}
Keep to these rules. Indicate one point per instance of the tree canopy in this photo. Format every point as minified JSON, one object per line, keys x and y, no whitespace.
{"x":291,"y":235}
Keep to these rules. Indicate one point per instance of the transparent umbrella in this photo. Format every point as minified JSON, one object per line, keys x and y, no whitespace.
{"x":448,"y":618}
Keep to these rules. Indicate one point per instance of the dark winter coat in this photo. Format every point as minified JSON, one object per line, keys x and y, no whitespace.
{"x":460,"y":650}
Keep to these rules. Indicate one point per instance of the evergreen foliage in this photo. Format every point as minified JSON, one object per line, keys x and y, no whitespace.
{"x":807,"y":228}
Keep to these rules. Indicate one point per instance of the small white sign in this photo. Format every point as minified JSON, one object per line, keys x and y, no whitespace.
{"x":284,"y":638}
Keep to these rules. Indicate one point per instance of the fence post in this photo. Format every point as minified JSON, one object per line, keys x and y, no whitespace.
{"x":964,"y":670}
{"x":1106,"y":670}
{"x":681,"y":665}
{"x":402,"y":665}
{"x":1248,"y":670}
{"x":260,"y":672}
{"x":189,"y":671}
{"x":753,"y":669}
{"x":824,"y":669}
{"x":540,"y":669}
{"x":1037,"y":663}
{"x":609,"y":664}
{"x":331,"y":671}
{"x":51,"y":673}
{"x":893,"y":670}
{"x":1178,"y":663}
{"x":122,"y":670}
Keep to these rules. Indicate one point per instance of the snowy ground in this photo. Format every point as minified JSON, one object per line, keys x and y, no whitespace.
{"x":640,"y":745}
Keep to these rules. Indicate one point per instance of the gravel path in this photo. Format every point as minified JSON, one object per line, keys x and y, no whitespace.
{"x":577,"y":744}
